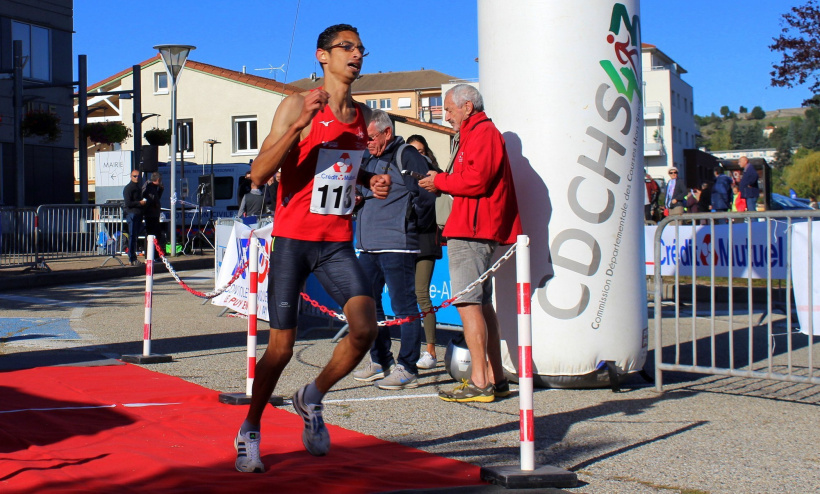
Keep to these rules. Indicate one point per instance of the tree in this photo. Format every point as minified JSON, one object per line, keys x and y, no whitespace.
{"x":809,"y":136}
{"x":736,"y":135}
{"x":799,"y":44}
{"x":758,"y":113}
{"x":742,"y":109}
{"x":721,"y":140}
{"x":804,"y":175}
{"x":724,"y":110}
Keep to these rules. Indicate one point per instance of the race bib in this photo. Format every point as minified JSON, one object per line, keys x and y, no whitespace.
{"x":334,"y":185}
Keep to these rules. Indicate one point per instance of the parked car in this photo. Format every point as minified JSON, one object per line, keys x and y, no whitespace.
{"x":781,"y":203}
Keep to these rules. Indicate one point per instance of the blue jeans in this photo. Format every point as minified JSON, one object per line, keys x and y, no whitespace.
{"x":398,"y":271}
{"x":134,"y":230}
{"x":751,"y":204}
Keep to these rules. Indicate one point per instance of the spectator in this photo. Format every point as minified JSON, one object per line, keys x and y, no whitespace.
{"x":252,"y":203}
{"x":269,"y":195}
{"x":152,"y":193}
{"x":653,"y":193}
{"x":749,"y":189}
{"x":484,"y":215}
{"x":721,"y":196}
{"x":675,"y":193}
{"x":134,"y":204}
{"x":244,"y":186}
{"x":430,"y":247}
{"x":387,"y":238}
{"x":738,"y":202}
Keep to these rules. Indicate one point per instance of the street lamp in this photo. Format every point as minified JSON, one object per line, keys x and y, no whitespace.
{"x":174,"y":56}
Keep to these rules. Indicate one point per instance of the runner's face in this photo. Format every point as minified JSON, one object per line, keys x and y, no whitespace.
{"x":341,"y":61}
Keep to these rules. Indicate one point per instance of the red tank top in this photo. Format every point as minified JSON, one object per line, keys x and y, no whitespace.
{"x":293,"y":218}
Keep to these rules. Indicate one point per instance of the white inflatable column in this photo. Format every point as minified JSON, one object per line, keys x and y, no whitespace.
{"x":562,"y":81}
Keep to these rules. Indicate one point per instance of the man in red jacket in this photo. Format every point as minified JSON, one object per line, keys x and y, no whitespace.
{"x":484,"y":216}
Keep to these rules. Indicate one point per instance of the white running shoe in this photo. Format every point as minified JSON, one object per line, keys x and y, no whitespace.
{"x":247,"y":452}
{"x":426,"y":361}
{"x":315,"y":436}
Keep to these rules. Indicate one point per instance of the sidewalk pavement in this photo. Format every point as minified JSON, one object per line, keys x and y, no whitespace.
{"x":703,"y":434}
{"x":97,"y":268}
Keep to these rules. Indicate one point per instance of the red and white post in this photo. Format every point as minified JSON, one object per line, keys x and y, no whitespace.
{"x":253,"y":280}
{"x":149,"y":294}
{"x":525,"y":384}
{"x":146,"y":357}
{"x":253,"y":289}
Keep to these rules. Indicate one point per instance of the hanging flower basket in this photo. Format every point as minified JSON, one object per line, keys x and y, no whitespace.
{"x":158,"y":137}
{"x":107,"y":132}
{"x":41,"y":123}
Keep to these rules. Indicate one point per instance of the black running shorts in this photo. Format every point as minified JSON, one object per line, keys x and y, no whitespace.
{"x":333,"y":263}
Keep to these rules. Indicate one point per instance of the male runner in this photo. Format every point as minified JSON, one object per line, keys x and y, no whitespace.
{"x":317,"y":139}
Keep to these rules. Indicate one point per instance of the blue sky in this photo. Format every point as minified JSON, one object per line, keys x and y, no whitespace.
{"x":723,"y":44}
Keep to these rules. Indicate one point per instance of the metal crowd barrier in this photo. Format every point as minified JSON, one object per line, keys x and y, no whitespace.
{"x":717,"y":310}
{"x":67,"y":231}
{"x":18,"y":237}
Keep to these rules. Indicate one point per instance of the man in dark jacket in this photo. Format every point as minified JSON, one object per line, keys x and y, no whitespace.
{"x":721,"y":192}
{"x":749,"y":189}
{"x":134,"y":203}
{"x":152,"y":193}
{"x":387,"y":236}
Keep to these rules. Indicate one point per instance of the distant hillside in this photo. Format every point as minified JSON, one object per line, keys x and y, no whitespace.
{"x":717,"y":133}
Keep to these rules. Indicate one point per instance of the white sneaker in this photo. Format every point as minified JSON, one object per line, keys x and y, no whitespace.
{"x":315,"y":436}
{"x":371,"y":372}
{"x":247,"y":452}
{"x":426,"y":361}
{"x":399,"y":378}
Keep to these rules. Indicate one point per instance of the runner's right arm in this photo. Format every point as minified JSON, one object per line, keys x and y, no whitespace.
{"x":291,"y":123}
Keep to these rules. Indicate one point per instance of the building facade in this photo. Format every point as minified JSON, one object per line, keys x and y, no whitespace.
{"x":222,"y":115}
{"x":669,"y":117}
{"x":415,"y":94}
{"x":45,"y":30}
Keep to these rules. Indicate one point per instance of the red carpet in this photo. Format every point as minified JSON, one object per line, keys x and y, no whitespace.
{"x":100,"y":429}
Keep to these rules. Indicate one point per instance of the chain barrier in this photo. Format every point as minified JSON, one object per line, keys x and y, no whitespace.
{"x":341,"y":317}
{"x":396,"y":322}
{"x":208,"y":295}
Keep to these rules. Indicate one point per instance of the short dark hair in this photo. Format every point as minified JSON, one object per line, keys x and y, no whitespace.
{"x":718,"y":170}
{"x":329,"y":34}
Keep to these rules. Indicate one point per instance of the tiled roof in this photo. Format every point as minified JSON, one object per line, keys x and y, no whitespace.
{"x":388,"y":81}
{"x":252,"y":80}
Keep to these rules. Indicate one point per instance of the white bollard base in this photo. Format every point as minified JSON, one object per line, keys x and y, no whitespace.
{"x":512,"y":477}
{"x":244,"y":399}
{"x":146,"y":359}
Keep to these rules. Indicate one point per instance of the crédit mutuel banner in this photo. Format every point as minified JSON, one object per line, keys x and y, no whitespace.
{"x":236,"y":253}
{"x":562,"y":81}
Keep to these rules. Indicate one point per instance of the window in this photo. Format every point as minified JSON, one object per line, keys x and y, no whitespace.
{"x":384,"y":104}
{"x":185,"y":134}
{"x":371,"y":103}
{"x":245,"y":138}
{"x":223,"y":188}
{"x":404,"y":103}
{"x":686,"y":104}
{"x":160,"y":82}
{"x":36,"y":47}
